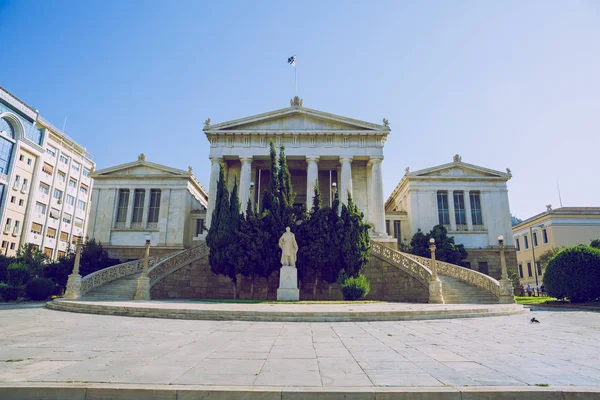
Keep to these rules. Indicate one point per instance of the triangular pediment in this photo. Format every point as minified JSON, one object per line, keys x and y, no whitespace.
{"x":140,"y":168}
{"x":296,"y":119}
{"x":458,"y":170}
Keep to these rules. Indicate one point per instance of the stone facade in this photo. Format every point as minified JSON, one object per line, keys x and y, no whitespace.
{"x":196,"y":281}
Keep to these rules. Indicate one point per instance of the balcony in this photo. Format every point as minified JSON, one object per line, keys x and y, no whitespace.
{"x":24,"y":188}
{"x":7,"y":228}
{"x":479,"y":228}
{"x":16,"y":231}
{"x":461,"y":228}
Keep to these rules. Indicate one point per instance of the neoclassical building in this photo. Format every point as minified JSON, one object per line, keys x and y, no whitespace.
{"x":469,"y":200}
{"x":331,"y":151}
{"x":141,"y":201}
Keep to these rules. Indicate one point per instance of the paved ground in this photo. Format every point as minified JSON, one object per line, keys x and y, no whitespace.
{"x":41,"y":345}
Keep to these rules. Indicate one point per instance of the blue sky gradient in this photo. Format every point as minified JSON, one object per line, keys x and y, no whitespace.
{"x":504,"y":84}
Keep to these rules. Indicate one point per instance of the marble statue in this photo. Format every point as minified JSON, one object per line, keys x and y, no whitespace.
{"x":289,"y":248}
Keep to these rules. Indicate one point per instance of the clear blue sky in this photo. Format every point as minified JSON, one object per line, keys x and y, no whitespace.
{"x":504,"y":84}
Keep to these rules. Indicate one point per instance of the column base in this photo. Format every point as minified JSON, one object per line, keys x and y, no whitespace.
{"x":73,"y":287}
{"x":506,"y":293}
{"x":435,"y":292}
{"x":143,"y":288}
{"x":288,"y":284}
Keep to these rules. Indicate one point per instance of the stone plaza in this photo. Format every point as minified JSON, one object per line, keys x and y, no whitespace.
{"x":41,"y":348}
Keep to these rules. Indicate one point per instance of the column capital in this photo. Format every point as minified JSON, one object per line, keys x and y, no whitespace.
{"x":216,"y":159}
{"x":245,"y":160}
{"x":375,"y":160}
{"x":312,"y":159}
{"x":345,"y":160}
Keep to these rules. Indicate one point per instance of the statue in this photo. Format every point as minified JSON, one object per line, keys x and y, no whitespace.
{"x":548,"y":207}
{"x":207,"y":123}
{"x":190,"y":169}
{"x":457,"y":158}
{"x":406,"y":170}
{"x":142,"y":157}
{"x":386,"y":122}
{"x":289,"y":248}
{"x":509,"y":172}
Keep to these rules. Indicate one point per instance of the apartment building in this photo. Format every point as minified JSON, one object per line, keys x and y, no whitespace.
{"x":45,"y":183}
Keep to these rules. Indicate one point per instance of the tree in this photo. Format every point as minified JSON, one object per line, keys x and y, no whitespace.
{"x":355,"y":239}
{"x":331,"y":240}
{"x":546,"y":256}
{"x":446,"y":249}
{"x":419,"y":244}
{"x":595,"y":243}
{"x":574,"y":273}
{"x":514,"y":220}
{"x":32,"y":257}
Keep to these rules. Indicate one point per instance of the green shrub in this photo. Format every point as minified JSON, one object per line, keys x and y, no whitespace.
{"x":39,"y":289}
{"x":18,"y":274}
{"x":574,"y":273}
{"x":354,"y":288}
{"x":10,"y":293}
{"x":4,"y":263}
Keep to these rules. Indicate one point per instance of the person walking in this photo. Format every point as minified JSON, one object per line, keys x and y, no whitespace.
{"x":529,"y":290}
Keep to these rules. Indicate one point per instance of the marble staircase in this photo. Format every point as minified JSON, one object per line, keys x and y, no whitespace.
{"x":117,"y":290}
{"x":456,"y":291}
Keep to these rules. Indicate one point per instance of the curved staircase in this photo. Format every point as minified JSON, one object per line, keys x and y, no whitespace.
{"x":456,"y":291}
{"x":120,"y":289}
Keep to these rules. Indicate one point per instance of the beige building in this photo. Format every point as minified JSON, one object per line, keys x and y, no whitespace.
{"x":141,"y":201}
{"x":45,"y":181}
{"x":554,"y":228}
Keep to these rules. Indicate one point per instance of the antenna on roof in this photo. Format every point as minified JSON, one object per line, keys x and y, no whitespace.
{"x":559,"y":198}
{"x":64,"y":125}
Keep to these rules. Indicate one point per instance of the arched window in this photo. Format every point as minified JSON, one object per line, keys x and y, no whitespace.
{"x":7,"y":128}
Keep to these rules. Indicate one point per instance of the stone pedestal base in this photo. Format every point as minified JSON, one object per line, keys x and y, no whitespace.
{"x":288,"y":284}
{"x":73,"y":287}
{"x":435,"y":292}
{"x":143,"y":288}
{"x":506,"y":292}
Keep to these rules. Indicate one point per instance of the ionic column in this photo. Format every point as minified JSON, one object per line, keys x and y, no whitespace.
{"x":130,"y":208}
{"x":345,"y":179}
{"x":369,"y":192}
{"x":451,"y":211}
{"x":245,"y":179}
{"x":468,"y":210}
{"x":146,"y":208}
{"x":312,"y":176}
{"x":377,"y":196}
{"x":215,"y":169}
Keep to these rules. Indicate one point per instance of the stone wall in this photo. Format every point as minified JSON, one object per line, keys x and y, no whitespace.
{"x":492,"y":257}
{"x":196,"y":281}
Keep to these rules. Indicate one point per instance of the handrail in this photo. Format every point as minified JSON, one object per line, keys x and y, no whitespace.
{"x":167,"y":266}
{"x":115,"y":272}
{"x":467,"y":275}
{"x":409,"y":265}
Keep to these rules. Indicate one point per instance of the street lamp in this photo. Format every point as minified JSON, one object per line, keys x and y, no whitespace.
{"x":504,"y":271}
{"x":251,"y":195}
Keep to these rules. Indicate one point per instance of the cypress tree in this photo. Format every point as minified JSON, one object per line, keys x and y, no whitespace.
{"x":218,"y":238}
{"x":355,"y":239}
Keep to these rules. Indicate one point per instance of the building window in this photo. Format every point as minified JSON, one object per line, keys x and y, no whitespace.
{"x":51,"y":150}
{"x":58,"y":194}
{"x":526,"y":242}
{"x":24,"y":188}
{"x":535,"y":241}
{"x":465,"y":264}
{"x":539,"y":268}
{"x":29,"y":161}
{"x":78,"y":223}
{"x":122,"y":205}
{"x":443,"y":212}
{"x":54,"y":213}
{"x":475,"y":200}
{"x":387,"y":227}
{"x":81,"y":205}
{"x":4,"y":244}
{"x":521,"y":271}
{"x":51,"y":233}
{"x":75,"y":166}
{"x":20,"y":202}
{"x":6,"y":148}
{"x":154,"y":206}
{"x":518,"y":244}
{"x":529,"y":269}
{"x":48,"y":169}
{"x":7,"y":226}
{"x":83,"y":189}
{"x":86,"y":172}
{"x":75,"y":239}
{"x":62,"y":176}
{"x":64,"y":236}
{"x":64,"y":160}
{"x":40,"y":208}
{"x":70,"y":200}
{"x":459,"y":208}
{"x":397,"y":230}
{"x":35,"y":135}
{"x":36,"y":228}
{"x":199,"y":226}
{"x":17,"y":226}
{"x":72,"y":183}
{"x":61,"y":254}
{"x":13,"y":199}
{"x":67,"y":218}
{"x":138,"y":205}
{"x":483,"y":267}
{"x":544,"y":236}
{"x":21,"y":157}
{"x":44,"y":188}
{"x":12,"y":246}
{"x":6,"y":128}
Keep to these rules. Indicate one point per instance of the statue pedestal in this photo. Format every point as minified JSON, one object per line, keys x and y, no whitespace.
{"x":288,"y":284}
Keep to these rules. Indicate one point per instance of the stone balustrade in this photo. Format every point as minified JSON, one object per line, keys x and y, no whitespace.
{"x":469,"y":276}
{"x":415,"y":268}
{"x":167,"y":266}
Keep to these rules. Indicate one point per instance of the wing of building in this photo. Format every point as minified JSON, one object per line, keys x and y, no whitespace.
{"x":45,"y":183}
{"x":469,"y":200}
{"x":141,"y":201}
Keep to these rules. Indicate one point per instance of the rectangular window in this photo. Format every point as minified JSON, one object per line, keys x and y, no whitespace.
{"x":48,"y":169}
{"x":12,"y":246}
{"x":54,"y":213}
{"x":29,"y":161}
{"x":443,"y":212}
{"x":24,"y":188}
{"x":75,"y":239}
{"x":154,"y":205}
{"x":21,"y":157}
{"x":64,"y":160}
{"x":78,"y":223}
{"x":13,"y":199}
{"x":72,"y":183}
{"x":20,"y":202}
{"x":61,"y":254}
{"x":138,"y":205}
{"x":67,"y":218}
{"x":199,"y":226}
{"x":518,"y":244}
{"x":544,"y":236}
{"x":83,"y":189}
{"x":64,"y":237}
{"x":465,"y":264}
{"x":51,"y":233}
{"x":539,"y":268}
{"x":459,"y":208}
{"x":483,"y":267}
{"x":40,"y":208}
{"x":397,"y":229}
{"x":17,"y":226}
{"x":17,"y":181}
{"x":62,"y":176}
{"x":521,"y":271}
{"x":81,"y":205}
{"x":44,"y":188}
{"x":122,"y":205}
{"x":70,"y":200}
{"x":387,"y":227}
{"x":529,"y":269}
{"x":4,"y":244}
{"x":526,"y":242}
{"x":535,"y":242}
{"x":475,"y":200}
{"x":51,"y":150}
{"x":86,"y":172}
{"x":75,"y":166}
{"x":58,"y":194}
{"x":36,"y":228}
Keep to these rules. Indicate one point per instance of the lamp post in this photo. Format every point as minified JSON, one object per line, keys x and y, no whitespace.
{"x":74,"y":282}
{"x":143,"y":284}
{"x":251,"y":196}
{"x":435,"y":285}
{"x":506,"y":292}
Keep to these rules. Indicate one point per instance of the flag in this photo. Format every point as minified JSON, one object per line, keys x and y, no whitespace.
{"x":292,"y":61}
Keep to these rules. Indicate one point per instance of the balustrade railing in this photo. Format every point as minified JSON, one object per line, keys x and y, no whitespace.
{"x":167,"y":266}
{"x":413,"y":267}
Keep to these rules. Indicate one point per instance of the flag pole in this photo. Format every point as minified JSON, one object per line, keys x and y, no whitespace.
{"x":296,"y":77}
